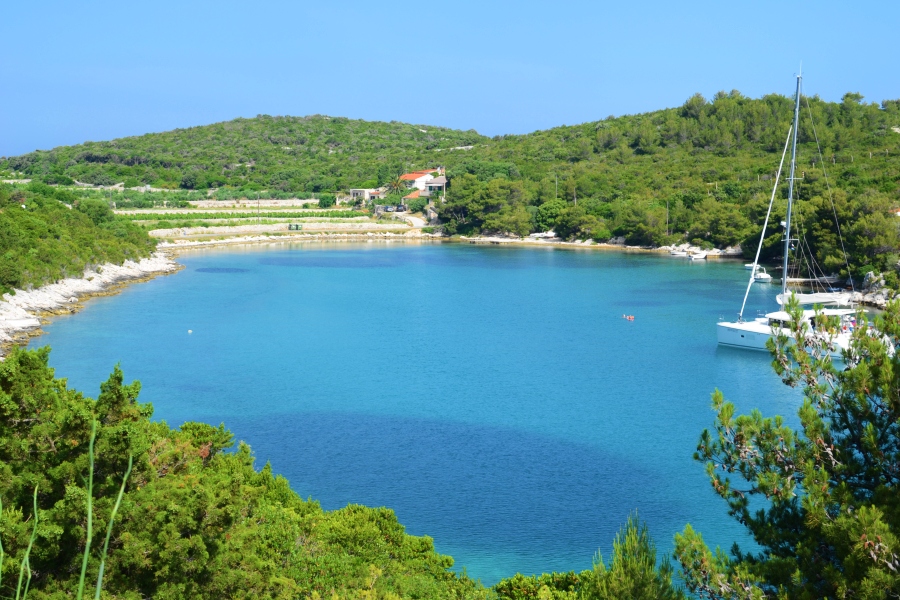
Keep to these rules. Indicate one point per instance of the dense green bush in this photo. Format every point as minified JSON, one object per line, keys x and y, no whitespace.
{"x":417,"y":205}
{"x":47,"y":234}
{"x":196,"y":520}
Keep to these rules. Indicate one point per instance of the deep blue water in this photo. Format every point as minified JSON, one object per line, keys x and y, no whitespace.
{"x":493,"y":397}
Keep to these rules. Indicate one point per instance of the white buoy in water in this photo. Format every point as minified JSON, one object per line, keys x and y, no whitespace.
{"x":190,"y":331}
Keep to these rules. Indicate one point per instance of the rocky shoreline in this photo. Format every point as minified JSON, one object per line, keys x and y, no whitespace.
{"x":533,"y":240}
{"x":874,"y":292}
{"x":22,"y":313}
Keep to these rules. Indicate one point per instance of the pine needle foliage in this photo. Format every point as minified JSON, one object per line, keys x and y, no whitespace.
{"x":633,"y":573}
{"x":821,"y":502}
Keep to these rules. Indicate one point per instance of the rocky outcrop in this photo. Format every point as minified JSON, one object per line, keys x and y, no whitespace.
{"x":873,"y":291}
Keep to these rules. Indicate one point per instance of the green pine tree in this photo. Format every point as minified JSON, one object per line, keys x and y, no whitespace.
{"x":822,"y":502}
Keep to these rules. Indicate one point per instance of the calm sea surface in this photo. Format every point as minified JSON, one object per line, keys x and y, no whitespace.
{"x":495,"y":398}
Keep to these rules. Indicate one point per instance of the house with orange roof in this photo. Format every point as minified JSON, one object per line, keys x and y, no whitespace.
{"x":418,"y":179}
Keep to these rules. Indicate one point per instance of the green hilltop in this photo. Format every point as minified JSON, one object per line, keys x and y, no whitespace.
{"x":314,"y":154}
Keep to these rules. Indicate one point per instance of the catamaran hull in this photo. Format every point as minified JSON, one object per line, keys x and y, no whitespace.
{"x":753,"y":336}
{"x":737,"y":337}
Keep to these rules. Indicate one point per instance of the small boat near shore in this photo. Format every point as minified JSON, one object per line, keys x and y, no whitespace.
{"x":760,"y":275}
{"x":698,"y":256}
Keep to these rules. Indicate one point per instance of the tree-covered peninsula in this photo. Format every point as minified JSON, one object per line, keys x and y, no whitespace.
{"x":47,"y":234}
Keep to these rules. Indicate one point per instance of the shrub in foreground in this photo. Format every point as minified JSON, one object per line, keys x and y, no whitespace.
{"x":195,"y":521}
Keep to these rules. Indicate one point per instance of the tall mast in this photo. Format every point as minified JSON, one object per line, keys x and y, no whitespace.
{"x":787,"y":220}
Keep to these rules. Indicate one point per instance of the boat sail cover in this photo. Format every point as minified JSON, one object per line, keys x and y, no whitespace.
{"x":823,"y":298}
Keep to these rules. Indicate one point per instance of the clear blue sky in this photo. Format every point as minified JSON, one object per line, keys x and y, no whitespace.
{"x":78,"y":71}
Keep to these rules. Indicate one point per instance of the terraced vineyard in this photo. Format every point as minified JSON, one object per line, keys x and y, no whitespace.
{"x":229,"y":222}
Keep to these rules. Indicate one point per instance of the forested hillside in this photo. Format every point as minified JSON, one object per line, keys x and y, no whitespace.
{"x":705,"y":167}
{"x":47,"y":234}
{"x":699,"y":173}
{"x":294,"y":154}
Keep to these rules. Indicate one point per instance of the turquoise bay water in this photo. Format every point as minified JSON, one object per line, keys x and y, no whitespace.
{"x":495,"y":398}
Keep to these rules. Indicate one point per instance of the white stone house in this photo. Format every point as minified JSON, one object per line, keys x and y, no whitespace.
{"x":366,"y":194}
{"x":436,"y":186}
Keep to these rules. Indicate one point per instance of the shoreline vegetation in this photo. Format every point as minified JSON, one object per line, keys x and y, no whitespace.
{"x":22,"y":314}
{"x":701,"y":174}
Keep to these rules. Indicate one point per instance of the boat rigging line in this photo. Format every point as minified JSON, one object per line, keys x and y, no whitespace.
{"x":762,"y":235}
{"x":830,"y":195}
{"x":791,"y":179}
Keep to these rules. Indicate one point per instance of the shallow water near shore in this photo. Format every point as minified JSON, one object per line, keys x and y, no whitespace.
{"x":493,"y":397}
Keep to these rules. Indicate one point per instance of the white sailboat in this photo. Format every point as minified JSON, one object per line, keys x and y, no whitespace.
{"x":755,"y":333}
